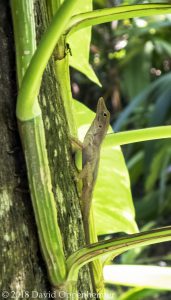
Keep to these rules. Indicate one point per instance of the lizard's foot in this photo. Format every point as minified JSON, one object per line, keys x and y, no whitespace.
{"x":76,"y":144}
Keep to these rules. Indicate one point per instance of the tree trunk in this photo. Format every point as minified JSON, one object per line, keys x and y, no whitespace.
{"x":23,"y":269}
{"x":60,"y":156}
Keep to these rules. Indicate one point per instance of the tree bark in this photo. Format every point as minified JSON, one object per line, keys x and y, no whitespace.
{"x":60,"y":157}
{"x":22,"y":267}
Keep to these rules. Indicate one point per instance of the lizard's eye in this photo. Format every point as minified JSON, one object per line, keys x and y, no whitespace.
{"x":105,"y":114}
{"x":100,"y":126}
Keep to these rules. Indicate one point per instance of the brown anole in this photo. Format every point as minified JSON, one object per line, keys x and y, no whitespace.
{"x":90,"y":160}
{"x":91,"y":147}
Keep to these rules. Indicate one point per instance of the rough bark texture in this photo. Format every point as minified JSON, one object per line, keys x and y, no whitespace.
{"x":21,"y":264}
{"x":60,"y":157}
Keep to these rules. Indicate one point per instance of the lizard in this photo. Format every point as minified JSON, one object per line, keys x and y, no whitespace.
{"x":90,"y":160}
{"x":91,"y":147}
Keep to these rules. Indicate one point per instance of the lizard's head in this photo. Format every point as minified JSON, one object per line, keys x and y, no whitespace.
{"x":102,"y":119}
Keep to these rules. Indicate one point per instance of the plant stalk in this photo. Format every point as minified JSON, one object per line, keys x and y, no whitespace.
{"x":115,"y":247}
{"x":104,"y":15}
{"x":139,"y":135}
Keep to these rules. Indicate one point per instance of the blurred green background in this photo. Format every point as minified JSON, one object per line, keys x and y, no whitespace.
{"x":132,"y":60}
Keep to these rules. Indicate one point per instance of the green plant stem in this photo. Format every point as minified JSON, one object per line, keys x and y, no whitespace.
{"x":61,"y":55}
{"x":33,"y":141}
{"x":26,"y":103}
{"x":63,"y":79}
{"x":25,"y":36}
{"x":139,"y":135}
{"x":115,"y":247}
{"x":100,"y":16}
{"x":34,"y":145}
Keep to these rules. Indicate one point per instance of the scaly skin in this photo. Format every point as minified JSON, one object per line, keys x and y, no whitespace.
{"x":90,"y":160}
{"x":90,"y":163}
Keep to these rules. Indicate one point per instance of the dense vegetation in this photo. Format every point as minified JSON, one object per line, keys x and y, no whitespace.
{"x":132,"y":59}
{"x":130,"y":55}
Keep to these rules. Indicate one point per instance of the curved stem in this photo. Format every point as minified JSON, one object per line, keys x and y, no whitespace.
{"x":139,"y":135}
{"x":100,"y":16}
{"x":33,"y":137}
{"x":115,"y":247}
{"x":31,"y":82}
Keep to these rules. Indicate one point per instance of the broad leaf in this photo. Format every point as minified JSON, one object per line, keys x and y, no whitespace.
{"x":112,"y":200}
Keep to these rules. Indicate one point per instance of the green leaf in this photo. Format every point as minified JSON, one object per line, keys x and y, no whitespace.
{"x":112,"y":200}
{"x":147,"y":207}
{"x":136,"y":74}
{"x":80,"y":46}
{"x":154,"y":90}
{"x":135,"y":166}
{"x":162,"y":47}
{"x":157,"y":164}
